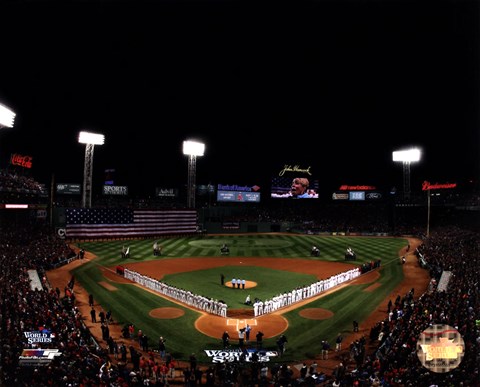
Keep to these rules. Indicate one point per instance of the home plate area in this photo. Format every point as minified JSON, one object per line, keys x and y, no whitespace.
{"x":239,"y":324}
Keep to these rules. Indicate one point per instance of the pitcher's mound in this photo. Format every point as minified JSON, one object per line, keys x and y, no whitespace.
{"x":248,"y":285}
{"x":316,"y":313}
{"x":166,"y":313}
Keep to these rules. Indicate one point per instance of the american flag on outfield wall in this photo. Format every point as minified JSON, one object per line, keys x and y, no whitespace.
{"x":123,"y":222}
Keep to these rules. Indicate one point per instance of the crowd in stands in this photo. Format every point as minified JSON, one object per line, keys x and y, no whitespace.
{"x":13,"y":182}
{"x":84,"y":363}
{"x":24,"y":309}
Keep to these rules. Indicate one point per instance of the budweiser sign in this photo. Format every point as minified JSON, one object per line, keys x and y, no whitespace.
{"x":426,"y":186}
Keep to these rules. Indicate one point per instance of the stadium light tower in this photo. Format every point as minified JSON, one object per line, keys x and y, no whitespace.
{"x":192,"y":149}
{"x":7,"y":117}
{"x":90,"y":140}
{"x":407,"y":157}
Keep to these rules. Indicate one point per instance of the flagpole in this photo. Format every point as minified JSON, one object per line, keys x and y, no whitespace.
{"x":428,"y":213}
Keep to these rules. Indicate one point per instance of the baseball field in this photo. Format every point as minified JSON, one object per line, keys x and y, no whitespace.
{"x":271,"y":264}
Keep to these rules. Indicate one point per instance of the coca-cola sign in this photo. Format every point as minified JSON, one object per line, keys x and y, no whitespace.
{"x":21,"y":160}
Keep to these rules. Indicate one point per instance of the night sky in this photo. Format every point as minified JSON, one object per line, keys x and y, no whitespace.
{"x":334,"y":85}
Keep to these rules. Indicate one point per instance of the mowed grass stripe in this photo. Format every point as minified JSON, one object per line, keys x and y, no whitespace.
{"x":351,"y":301}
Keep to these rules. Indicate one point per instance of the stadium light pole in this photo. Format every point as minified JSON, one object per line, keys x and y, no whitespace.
{"x":90,"y":140}
{"x":406,"y":157}
{"x":192,"y":149}
{"x":7,"y":117}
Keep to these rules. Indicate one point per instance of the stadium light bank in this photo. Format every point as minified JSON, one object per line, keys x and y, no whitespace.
{"x":407,"y":157}
{"x":7,"y":117}
{"x":192,"y":149}
{"x":90,"y":140}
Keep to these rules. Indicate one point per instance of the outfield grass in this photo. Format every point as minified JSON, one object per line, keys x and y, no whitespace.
{"x":131,"y":304}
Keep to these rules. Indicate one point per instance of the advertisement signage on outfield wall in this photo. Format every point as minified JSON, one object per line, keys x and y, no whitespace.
{"x":115,"y":190}
{"x":239,"y":188}
{"x":236,"y":196}
{"x":340,"y":196}
{"x":345,"y":187}
{"x":426,"y":186}
{"x":68,"y":189}
{"x":373,"y":195}
{"x":23,"y":161}
{"x":356,"y":195}
{"x":166,"y":192}
{"x":238,"y":193}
